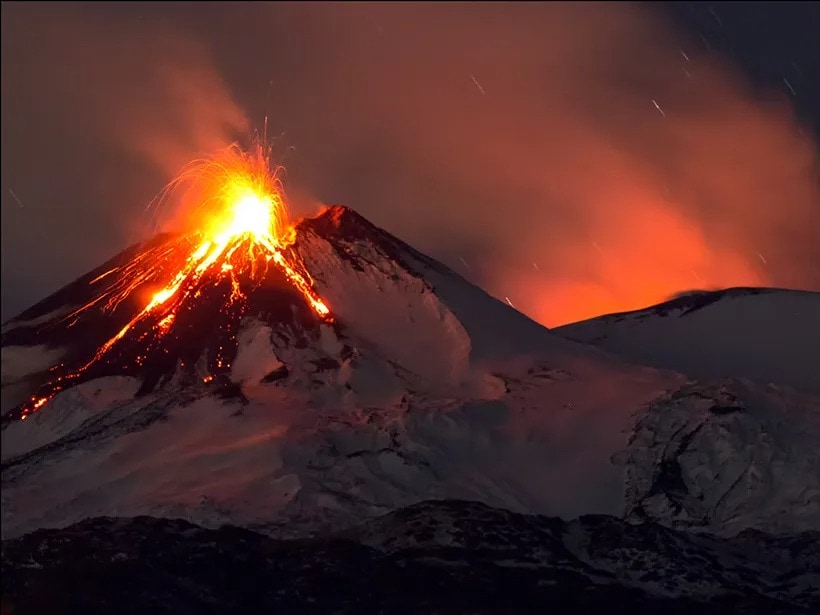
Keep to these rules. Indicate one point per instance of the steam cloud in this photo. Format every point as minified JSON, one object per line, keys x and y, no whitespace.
{"x":580,"y":158}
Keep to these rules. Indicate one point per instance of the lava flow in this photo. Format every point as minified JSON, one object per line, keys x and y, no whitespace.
{"x":241,"y":228}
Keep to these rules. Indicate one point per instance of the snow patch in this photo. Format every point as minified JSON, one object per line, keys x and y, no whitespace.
{"x":255,"y":357}
{"x":67,"y":411}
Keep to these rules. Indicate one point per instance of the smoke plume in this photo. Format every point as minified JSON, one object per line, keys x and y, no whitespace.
{"x":574,"y":158}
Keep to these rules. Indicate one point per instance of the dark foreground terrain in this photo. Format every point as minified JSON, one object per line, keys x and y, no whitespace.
{"x":434,"y":557}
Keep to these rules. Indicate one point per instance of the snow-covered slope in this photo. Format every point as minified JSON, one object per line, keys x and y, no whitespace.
{"x":766,"y":334}
{"x":726,"y":457}
{"x":294,"y":456}
{"x":422,"y":387}
{"x":385,"y":289}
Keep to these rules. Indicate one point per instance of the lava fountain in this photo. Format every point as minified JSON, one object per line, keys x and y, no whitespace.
{"x":239,"y":227}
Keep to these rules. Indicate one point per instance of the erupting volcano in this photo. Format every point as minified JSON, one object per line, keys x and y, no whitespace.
{"x":200,"y":376}
{"x":239,"y":242}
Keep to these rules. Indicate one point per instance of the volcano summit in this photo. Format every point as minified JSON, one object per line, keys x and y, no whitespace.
{"x":318,"y":379}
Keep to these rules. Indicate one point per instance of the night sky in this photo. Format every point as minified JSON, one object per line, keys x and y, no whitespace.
{"x":574,"y":158}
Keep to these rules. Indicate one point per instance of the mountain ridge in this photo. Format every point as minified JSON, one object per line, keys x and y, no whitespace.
{"x":769,"y":334}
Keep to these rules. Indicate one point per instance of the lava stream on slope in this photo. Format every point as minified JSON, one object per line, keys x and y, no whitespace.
{"x":239,"y":244}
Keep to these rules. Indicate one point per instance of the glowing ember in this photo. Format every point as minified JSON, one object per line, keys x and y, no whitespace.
{"x":242,"y":227}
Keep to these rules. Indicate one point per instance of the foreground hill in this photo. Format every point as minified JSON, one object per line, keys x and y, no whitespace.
{"x":441,"y":556}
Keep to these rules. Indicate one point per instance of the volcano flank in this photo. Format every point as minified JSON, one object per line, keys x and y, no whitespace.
{"x":195,"y":336}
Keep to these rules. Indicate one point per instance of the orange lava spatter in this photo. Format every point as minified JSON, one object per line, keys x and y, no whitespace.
{"x":240,"y":222}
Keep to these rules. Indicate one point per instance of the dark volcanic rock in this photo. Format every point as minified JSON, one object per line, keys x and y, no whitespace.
{"x":449,"y":556}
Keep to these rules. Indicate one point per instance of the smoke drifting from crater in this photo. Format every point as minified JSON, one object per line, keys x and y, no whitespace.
{"x":579,"y":158}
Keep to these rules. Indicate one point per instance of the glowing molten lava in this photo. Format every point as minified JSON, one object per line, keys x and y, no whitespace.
{"x":240,"y":228}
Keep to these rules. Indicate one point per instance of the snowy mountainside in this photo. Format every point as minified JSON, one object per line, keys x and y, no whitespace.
{"x":292,"y":460}
{"x":422,"y":386}
{"x":770,"y":335}
{"x":293,"y":457}
{"x":451,"y":556}
{"x":726,"y":457}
